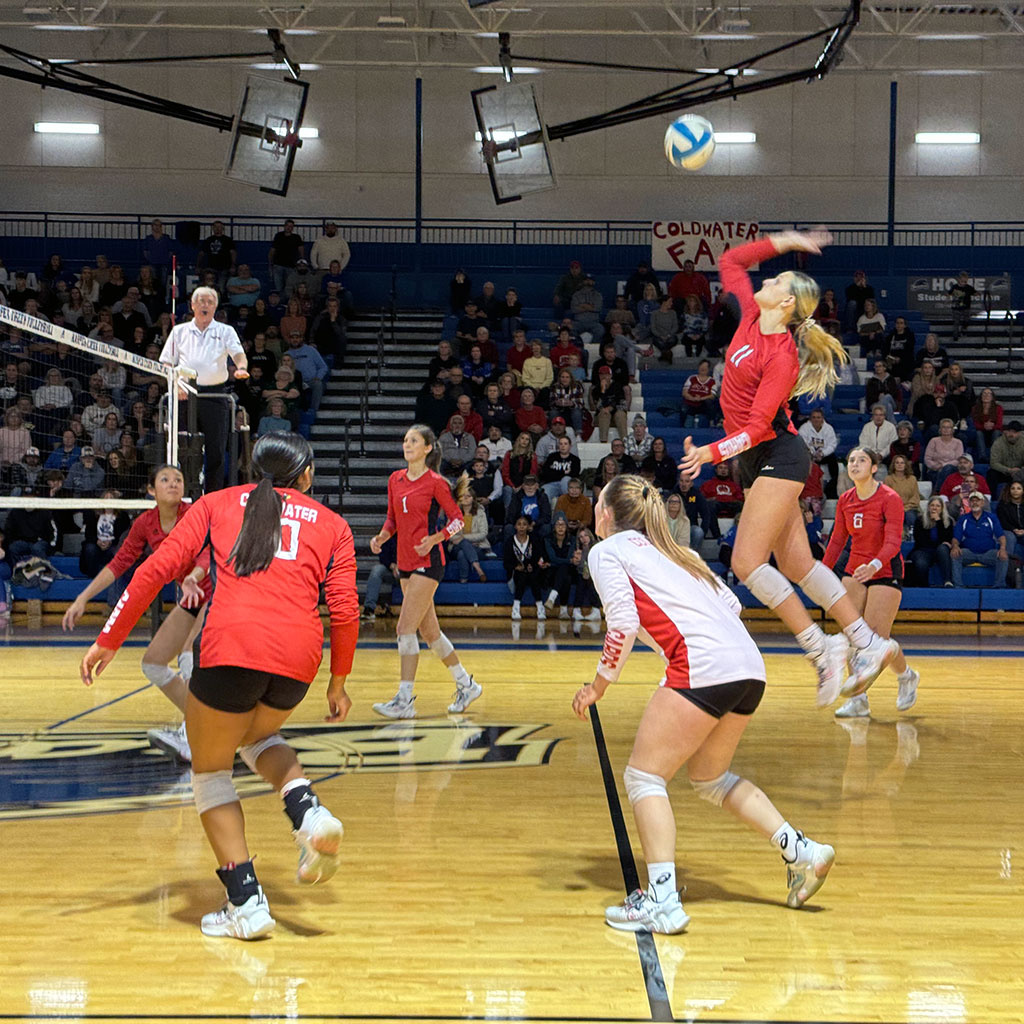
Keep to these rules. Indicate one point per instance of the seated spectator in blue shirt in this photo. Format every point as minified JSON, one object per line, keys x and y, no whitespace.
{"x":275,"y":418}
{"x":532,"y":502}
{"x":65,"y":454}
{"x":978,"y":538}
{"x":243,"y":289}
{"x":311,"y":365}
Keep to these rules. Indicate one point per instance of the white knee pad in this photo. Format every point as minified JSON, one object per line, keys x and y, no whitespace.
{"x":442,"y":647}
{"x":251,"y":751}
{"x":212,"y":789}
{"x":822,"y":586}
{"x":642,"y":784}
{"x":715,"y":790}
{"x":768,"y":585}
{"x":159,"y":675}
{"x":408,"y":644}
{"x":185,"y":661}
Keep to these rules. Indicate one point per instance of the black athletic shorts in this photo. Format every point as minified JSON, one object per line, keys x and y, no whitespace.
{"x":237,"y":690}
{"x":741,"y":697}
{"x":194,"y":612}
{"x":783,"y":457}
{"x":895,"y":580}
{"x":433,"y":572}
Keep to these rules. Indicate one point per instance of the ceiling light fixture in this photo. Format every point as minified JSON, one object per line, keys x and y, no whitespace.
{"x":947,"y":138}
{"x":67,"y":128}
{"x":734,"y":137}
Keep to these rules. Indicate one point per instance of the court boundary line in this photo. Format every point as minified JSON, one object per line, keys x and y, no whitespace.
{"x":650,"y":965}
{"x":98,"y":707}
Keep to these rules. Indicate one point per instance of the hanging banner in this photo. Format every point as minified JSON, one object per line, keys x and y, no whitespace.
{"x":930,"y":294}
{"x":673,"y":242}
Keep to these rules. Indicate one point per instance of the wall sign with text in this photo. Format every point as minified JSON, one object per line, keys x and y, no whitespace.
{"x":673,"y":242}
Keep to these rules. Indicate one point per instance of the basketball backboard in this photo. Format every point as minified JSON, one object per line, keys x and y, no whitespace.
{"x":265,"y":133}
{"x":510,"y":125}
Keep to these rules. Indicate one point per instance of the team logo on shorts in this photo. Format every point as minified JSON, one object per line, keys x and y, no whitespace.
{"x":103,"y":772}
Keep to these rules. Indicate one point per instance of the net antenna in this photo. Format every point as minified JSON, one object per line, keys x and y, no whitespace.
{"x":515,"y":148}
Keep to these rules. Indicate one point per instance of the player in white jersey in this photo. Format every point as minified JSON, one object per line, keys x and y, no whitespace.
{"x":714,"y":679}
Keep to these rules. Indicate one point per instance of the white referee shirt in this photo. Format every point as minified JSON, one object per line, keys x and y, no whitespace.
{"x":694,"y":626}
{"x":206,"y":352}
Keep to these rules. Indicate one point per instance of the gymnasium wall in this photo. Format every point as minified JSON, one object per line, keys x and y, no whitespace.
{"x":821,"y":152}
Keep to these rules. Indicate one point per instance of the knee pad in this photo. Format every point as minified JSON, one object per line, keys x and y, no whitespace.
{"x":822,"y":586}
{"x":185,"y":662}
{"x":408,"y":644}
{"x":768,"y":585}
{"x":715,"y":790}
{"x":642,"y":784}
{"x":212,"y":789}
{"x":250,"y":752}
{"x":159,"y":675}
{"x":442,"y":646}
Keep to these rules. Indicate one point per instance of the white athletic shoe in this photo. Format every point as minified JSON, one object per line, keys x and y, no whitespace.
{"x":807,"y":874}
{"x":595,"y":615}
{"x":173,"y":742}
{"x":397,"y":707}
{"x":867,"y":664}
{"x":464,"y":696}
{"x":516,"y":613}
{"x":563,"y":612}
{"x":251,"y":920}
{"x":640,"y":912}
{"x":552,"y":598}
{"x":831,"y":667}
{"x":541,"y":613}
{"x":855,"y":707}
{"x":906,"y":695}
{"x":318,"y":839}
{"x":577,"y":615}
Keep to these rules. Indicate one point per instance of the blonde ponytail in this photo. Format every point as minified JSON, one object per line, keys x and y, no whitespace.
{"x":818,"y":349}
{"x":636,"y":505}
{"x":461,"y":487}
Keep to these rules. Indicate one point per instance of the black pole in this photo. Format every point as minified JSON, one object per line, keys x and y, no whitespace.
{"x":892,"y":178}
{"x":419,"y":189}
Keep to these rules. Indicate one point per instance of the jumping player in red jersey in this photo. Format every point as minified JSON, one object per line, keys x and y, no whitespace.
{"x":174,"y":637}
{"x":763,"y":370}
{"x":271,"y":548}
{"x":416,"y":497}
{"x":653,"y":588}
{"x":871,"y":515}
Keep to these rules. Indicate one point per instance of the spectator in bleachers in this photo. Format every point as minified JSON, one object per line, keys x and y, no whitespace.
{"x":567,"y":286}
{"x":261,"y":356}
{"x":29,"y":533}
{"x":959,"y":500}
{"x":942,"y":453}
{"x":517,"y":355}
{"x":662,"y":465}
{"x":678,"y":521}
{"x":94,"y":415}
{"x":906,"y":446}
{"x":152,"y":292}
{"x":898,"y":349}
{"x":560,"y":554}
{"x":959,"y":392}
{"x":637,"y":283}
{"x":625,"y":347}
{"x":311,"y":365}
{"x":586,"y":305}
{"x":477,"y":371}
{"x":878,"y":433}
{"x":440,"y":364}
{"x":115,"y":378}
{"x":434,"y":407}
{"x":902,"y":480}
{"x":697,"y":509}
{"x":284,"y":386}
{"x":883,"y":388}
{"x":457,"y":383}
{"x":931,"y":410}
{"x":586,"y":592}
{"x":955,"y":481}
{"x":828,"y":311}
{"x":822,"y":441}
{"x":524,"y":566}
{"x":517,"y":463}
{"x":66,"y":453}
{"x":85,"y":478}
{"x":646,"y":307}
{"x":485,"y":482}
{"x":607,"y":469}
{"x":1006,"y":459}
{"x":531,"y":417}
{"x":471,"y":541}
{"x":538,"y":372}
{"x":1010,"y":512}
{"x":616,"y":366}
{"x":121,"y":477}
{"x":639,"y":440}
{"x":566,"y":399}
{"x":107,"y":436}
{"x":88,"y":285}
{"x":857,"y":295}
{"x":871,"y":330}
{"x":125,"y":320}
{"x":276,"y":308}
{"x":488,"y":349}
{"x":472,"y":318}
{"x":293,"y":320}
{"x":934,"y":354}
{"x":621,"y":314}
{"x":251,"y":392}
{"x":460,"y":290}
{"x":103,"y":530}
{"x":72,"y":309}
{"x":723,"y":494}
{"x":563,"y":350}
{"x":115,"y":289}
{"x":27,"y":474}
{"x":497,"y":445}
{"x":488,"y":304}
{"x":157,"y":250}
{"x":53,"y":402}
{"x":961,"y":293}
{"x":663,"y":331}
{"x":979,"y":539}
{"x":987,"y":417}
{"x":508,"y":315}
{"x":558,"y":468}
{"x":329,"y":248}
{"x":457,"y":447}
{"x":608,"y":403}
{"x":575,"y":506}
{"x":259,"y":320}
{"x":55,"y":273}
{"x":286,"y":249}
{"x":625,"y":463}
{"x":532,"y":502}
{"x":699,"y":398}
{"x":695,"y":324}
{"x":274,"y":418}
{"x":494,"y":410}
{"x":243,"y":289}
{"x":473,"y":423}
{"x":20,"y":294}
{"x":547,"y":444}
{"x":15,"y":437}
{"x":689,"y":282}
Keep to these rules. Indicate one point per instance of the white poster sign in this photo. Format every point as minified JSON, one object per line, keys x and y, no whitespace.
{"x":673,"y":242}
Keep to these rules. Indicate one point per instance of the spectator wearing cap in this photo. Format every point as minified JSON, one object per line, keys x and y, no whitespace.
{"x":26,"y":474}
{"x":955,"y":481}
{"x":978,"y":539}
{"x":567,"y":286}
{"x":311,"y":365}
{"x":532,"y":502}
{"x":302,"y":273}
{"x":329,"y":247}
{"x":549,"y":442}
{"x":85,"y":478}
{"x":286,"y":250}
{"x":95,"y":415}
{"x":942,"y":453}
{"x":615,"y":366}
{"x":633,"y":293}
{"x":1006,"y":459}
{"x":586,"y":305}
{"x":639,"y":441}
{"x":558,"y":468}
{"x":434,"y":407}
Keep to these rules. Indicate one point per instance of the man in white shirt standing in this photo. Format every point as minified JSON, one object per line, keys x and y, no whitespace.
{"x":328,"y":247}
{"x":821,"y":441}
{"x":203,"y":344}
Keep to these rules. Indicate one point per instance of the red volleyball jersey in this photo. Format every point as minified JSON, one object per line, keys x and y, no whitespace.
{"x":760,"y":369}
{"x":414,"y":507}
{"x":147,"y":533}
{"x":876,"y":528}
{"x":269,"y":621}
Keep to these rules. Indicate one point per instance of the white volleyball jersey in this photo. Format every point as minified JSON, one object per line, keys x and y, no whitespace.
{"x":693,"y":625}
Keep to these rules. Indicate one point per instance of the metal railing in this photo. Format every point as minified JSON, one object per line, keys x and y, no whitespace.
{"x":364,"y":407}
{"x":344,"y":486}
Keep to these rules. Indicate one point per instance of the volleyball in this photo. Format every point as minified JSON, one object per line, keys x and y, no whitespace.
{"x":689,"y":142}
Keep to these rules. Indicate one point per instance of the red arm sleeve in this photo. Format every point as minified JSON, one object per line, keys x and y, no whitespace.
{"x":343,"y":601}
{"x":732,"y":268}
{"x":781,"y":369}
{"x":837,"y":541}
{"x":443,"y":496}
{"x":176,"y":555}
{"x":505,"y":475}
{"x":131,"y":548}
{"x":892,"y":539}
{"x":390,"y":523}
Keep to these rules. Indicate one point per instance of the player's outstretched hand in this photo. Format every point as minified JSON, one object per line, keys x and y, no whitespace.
{"x":694,"y":458}
{"x":338,"y":701}
{"x":802,"y":241}
{"x":585,"y":696}
{"x":191,"y":593}
{"x":95,"y":661}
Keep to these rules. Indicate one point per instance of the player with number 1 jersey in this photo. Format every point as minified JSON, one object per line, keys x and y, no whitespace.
{"x":414,"y":508}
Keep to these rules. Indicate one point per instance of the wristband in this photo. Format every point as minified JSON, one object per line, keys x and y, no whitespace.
{"x":876,"y":563}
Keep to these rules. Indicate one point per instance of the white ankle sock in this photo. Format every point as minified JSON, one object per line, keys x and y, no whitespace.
{"x":860,"y":634}
{"x":785,"y":841}
{"x":661,"y":880}
{"x":812,"y":640}
{"x":405,"y":689}
{"x":904,"y":677}
{"x":459,"y":674}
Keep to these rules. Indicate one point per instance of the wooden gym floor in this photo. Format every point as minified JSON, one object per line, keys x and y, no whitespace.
{"x":480,"y":850}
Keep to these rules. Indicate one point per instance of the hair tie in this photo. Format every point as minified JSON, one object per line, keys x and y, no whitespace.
{"x":808,"y":323}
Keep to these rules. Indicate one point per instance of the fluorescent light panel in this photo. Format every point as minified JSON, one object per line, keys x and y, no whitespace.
{"x":501,"y":135}
{"x":732,"y":137}
{"x":66,"y":28}
{"x":270,"y":66}
{"x":947,"y":138}
{"x":66,"y":128}
{"x":493,"y":69}
{"x":309,"y":133}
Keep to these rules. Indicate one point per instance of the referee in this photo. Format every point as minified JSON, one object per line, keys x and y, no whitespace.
{"x":203,"y":345}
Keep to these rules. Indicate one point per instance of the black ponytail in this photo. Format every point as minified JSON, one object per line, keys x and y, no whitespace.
{"x":278,"y":459}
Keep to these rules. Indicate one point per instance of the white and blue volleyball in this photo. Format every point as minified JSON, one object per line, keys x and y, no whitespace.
{"x":689,"y":142}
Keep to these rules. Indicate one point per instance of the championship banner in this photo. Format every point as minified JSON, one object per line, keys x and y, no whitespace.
{"x":930,"y":294}
{"x":673,"y":242}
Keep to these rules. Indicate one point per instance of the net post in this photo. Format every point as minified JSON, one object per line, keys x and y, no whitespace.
{"x":172,"y":416}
